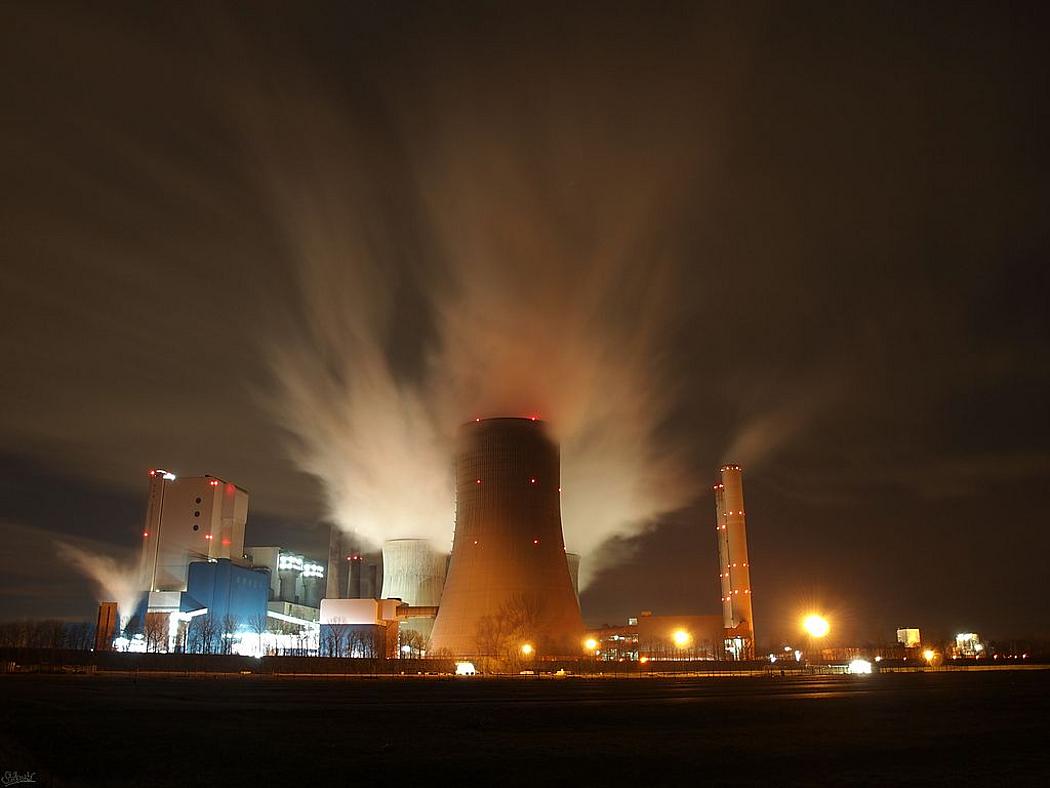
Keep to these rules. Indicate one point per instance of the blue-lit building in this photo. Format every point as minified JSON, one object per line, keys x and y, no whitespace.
{"x":226,"y":589}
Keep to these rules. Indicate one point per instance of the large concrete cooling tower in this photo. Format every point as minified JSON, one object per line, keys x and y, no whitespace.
{"x":508,"y":579}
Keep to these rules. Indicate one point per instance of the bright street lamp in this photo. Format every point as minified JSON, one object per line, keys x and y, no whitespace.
{"x":817,"y":626}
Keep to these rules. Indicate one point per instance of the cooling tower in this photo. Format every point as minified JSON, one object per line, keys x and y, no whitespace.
{"x":508,"y":578}
{"x":573,"y":560}
{"x":414,"y":572}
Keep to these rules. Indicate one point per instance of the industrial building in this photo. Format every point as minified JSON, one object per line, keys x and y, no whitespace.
{"x":508,"y":585}
{"x":909,"y":638}
{"x":734,"y":566}
{"x":297,"y":584}
{"x":366,"y":575}
{"x":664,"y":637}
{"x":234,"y":595}
{"x":107,"y":626}
{"x":199,"y":581}
{"x":508,"y":577}
{"x":362,"y":627}
{"x":189,"y":518}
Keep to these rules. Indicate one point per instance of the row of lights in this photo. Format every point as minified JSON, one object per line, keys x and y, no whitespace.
{"x":680,"y":637}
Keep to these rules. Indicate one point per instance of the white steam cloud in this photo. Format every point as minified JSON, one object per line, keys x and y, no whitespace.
{"x":463,"y":281}
{"x":114,"y":580}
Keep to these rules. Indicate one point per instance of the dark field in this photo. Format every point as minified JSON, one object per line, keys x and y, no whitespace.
{"x":943,"y":728}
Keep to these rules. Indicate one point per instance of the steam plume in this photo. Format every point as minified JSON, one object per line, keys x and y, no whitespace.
{"x":529,"y":293}
{"x":114,"y":581}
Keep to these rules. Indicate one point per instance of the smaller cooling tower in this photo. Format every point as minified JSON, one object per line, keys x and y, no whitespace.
{"x":414,"y":572}
{"x":313,"y":583}
{"x":289,"y":567}
{"x":573,"y":560}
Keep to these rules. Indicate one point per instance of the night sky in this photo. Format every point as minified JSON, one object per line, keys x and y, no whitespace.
{"x":294,"y":247}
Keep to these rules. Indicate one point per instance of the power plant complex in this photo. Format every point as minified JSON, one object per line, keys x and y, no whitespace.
{"x":507,"y":588}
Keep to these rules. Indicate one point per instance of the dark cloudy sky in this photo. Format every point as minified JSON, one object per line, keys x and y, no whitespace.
{"x":810,"y":238}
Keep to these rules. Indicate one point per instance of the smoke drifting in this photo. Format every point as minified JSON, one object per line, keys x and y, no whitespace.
{"x":508,"y":263}
{"x":114,"y":581}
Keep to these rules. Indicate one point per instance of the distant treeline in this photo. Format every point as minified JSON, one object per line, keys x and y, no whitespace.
{"x":48,"y":633}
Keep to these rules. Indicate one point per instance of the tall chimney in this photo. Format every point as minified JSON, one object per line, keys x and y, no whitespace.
{"x":734,"y":567}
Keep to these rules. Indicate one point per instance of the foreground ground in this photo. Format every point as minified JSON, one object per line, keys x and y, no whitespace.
{"x":945,"y":728}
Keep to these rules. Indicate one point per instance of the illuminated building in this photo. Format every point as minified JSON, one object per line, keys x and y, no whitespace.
{"x":968,"y":644}
{"x":909,"y":638}
{"x":508,"y":556}
{"x":234,"y":596}
{"x":734,"y":568}
{"x":297,"y":583}
{"x":655,"y":638}
{"x":361,"y":627}
{"x":188,"y":519}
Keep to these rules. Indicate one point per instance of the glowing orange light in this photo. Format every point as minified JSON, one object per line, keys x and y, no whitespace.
{"x":152,"y":473}
{"x":477,"y":481}
{"x":214,"y":483}
{"x":816,"y":625}
{"x":535,"y":541}
{"x":145,"y":533}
